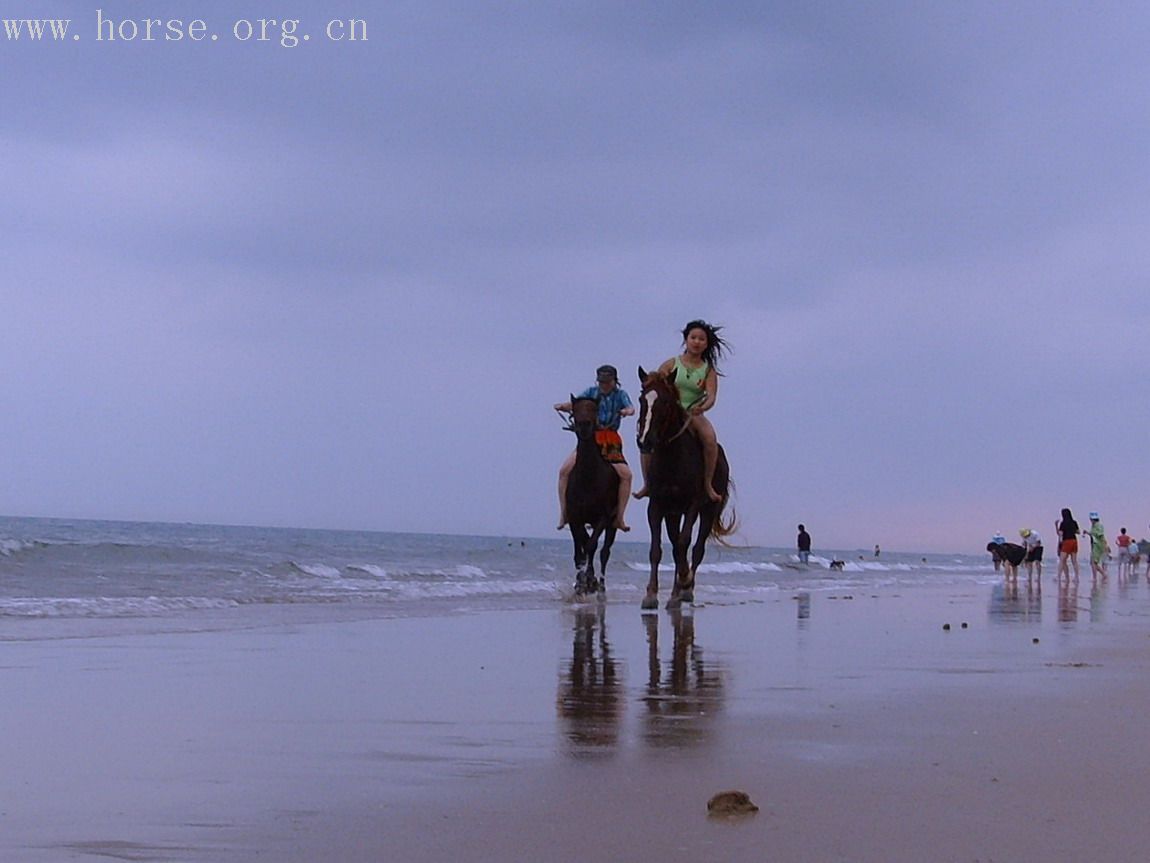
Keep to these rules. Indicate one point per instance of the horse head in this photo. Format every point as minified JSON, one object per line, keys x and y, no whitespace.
{"x":584,"y":416}
{"x":661,"y":417}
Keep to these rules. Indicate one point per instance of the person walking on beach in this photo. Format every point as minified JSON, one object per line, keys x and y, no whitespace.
{"x":1099,"y":547}
{"x":1067,"y":530}
{"x":1032,"y":542}
{"x":614,"y":404}
{"x":804,"y":545}
{"x":697,"y":379}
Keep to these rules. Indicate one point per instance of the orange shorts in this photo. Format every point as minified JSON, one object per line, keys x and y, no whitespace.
{"x":1068,"y":546}
{"x":611,"y":445}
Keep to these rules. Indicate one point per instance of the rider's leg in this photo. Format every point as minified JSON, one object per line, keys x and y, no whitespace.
{"x":624,"y":472}
{"x":706,"y":434}
{"x":644,"y":463}
{"x":564,"y":475}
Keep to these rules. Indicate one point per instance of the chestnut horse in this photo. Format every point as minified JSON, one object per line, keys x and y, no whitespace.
{"x":592,"y":499}
{"x":674,"y":478}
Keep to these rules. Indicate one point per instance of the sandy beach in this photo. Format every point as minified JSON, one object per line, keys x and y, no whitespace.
{"x":863,"y":729}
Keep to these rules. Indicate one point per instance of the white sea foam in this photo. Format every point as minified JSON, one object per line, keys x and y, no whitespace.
{"x":9,"y":547}
{"x":463,"y":590}
{"x":731,"y":567}
{"x":102,"y":606}
{"x":466,"y":570}
{"x":727,"y":567}
{"x":369,"y":569}
{"x":318,"y":570}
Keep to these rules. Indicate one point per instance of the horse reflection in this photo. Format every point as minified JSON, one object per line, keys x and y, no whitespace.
{"x":684,"y":696}
{"x":590,"y":693}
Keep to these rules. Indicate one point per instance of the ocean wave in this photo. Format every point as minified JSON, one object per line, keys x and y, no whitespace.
{"x":465,"y":570}
{"x":725,"y":568}
{"x":14,"y":547}
{"x":368,"y":569}
{"x":103,"y":606}
{"x":316,"y":570}
{"x":470,"y":590}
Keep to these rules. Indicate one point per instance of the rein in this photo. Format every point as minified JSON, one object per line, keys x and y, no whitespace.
{"x":687,"y":421}
{"x":568,"y":420}
{"x":682,"y":428}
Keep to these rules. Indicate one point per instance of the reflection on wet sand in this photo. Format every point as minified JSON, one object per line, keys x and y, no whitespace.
{"x":683,"y":696}
{"x":1012,"y":603}
{"x":590,"y":692}
{"x":1067,"y":601}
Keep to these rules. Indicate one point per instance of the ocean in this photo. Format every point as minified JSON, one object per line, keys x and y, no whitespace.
{"x":70,"y":577}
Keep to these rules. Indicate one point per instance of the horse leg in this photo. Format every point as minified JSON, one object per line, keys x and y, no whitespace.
{"x":706,"y":521}
{"x":579,"y":538}
{"x":678,"y":539}
{"x":604,"y":556}
{"x":651,"y":600}
{"x":589,"y":584}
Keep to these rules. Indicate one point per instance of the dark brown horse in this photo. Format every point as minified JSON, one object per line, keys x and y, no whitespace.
{"x":674,"y":478}
{"x":592,"y":499}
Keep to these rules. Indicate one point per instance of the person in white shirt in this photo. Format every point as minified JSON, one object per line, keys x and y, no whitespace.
{"x":1032,"y":542}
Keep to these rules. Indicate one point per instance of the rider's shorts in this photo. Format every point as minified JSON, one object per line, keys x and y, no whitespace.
{"x":611,"y":445}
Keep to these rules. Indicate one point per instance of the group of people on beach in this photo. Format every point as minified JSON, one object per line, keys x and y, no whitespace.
{"x":697,"y":380}
{"x":1011,"y":555}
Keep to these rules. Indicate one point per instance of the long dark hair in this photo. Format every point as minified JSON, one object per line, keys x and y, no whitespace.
{"x":717,"y":347}
{"x":1068,"y":520}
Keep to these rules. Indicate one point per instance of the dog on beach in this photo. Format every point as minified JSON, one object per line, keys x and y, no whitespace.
{"x":838,"y":564}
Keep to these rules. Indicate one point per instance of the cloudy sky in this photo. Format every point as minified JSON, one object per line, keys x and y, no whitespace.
{"x":341,"y":284}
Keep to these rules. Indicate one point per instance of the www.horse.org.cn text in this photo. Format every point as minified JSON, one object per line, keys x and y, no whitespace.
{"x":286,"y":32}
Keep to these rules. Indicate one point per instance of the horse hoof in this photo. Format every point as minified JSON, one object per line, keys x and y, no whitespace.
{"x":673,"y":603}
{"x":687,"y":596}
{"x":649,"y":603}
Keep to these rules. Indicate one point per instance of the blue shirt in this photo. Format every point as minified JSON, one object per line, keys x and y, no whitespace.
{"x":609,"y":405}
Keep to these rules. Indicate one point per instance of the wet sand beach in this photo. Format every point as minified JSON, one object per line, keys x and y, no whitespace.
{"x":862,"y":728}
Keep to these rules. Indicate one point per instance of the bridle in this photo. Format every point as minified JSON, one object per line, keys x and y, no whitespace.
{"x":686,"y":411}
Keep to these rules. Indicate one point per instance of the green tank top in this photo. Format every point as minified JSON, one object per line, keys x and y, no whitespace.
{"x":690,"y":382}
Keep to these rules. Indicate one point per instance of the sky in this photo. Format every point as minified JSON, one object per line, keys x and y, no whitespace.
{"x":340,"y":284}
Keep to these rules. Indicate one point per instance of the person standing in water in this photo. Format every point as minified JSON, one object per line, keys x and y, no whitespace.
{"x":1067,"y":530}
{"x":804,"y":543}
{"x":1032,"y":542}
{"x":1099,"y":547}
{"x":697,"y":379}
{"x":1123,"y":541}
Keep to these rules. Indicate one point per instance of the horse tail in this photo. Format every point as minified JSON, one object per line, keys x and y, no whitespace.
{"x":720,"y":528}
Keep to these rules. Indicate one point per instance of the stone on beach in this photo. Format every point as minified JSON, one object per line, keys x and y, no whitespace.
{"x":731,"y":803}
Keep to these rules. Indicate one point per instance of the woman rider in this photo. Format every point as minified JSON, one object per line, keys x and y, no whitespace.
{"x":697,"y":379}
